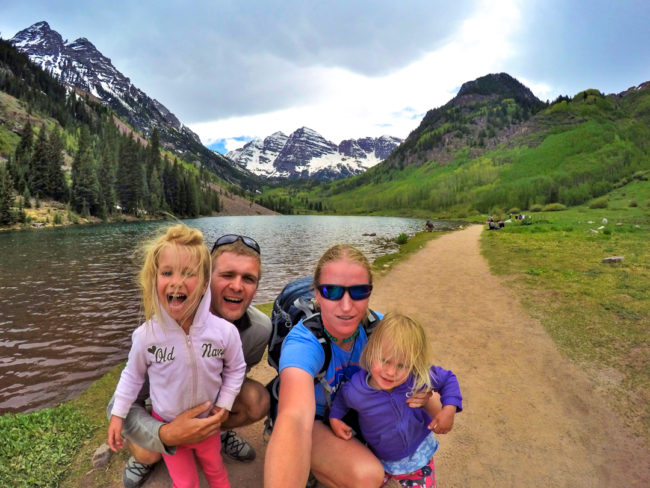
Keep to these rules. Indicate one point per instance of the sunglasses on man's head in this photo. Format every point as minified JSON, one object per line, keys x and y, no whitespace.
{"x":336,"y":292}
{"x":226,"y":239}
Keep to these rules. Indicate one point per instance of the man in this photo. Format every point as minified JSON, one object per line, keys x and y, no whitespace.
{"x":236,"y":271}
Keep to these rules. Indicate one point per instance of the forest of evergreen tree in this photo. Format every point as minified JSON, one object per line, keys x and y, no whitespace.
{"x":111,"y":173}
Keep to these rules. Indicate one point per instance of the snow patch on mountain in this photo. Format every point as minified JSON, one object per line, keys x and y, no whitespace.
{"x":307,"y":154}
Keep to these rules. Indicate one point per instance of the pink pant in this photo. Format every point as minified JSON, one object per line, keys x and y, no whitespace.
{"x":424,"y":477}
{"x":182,"y":468}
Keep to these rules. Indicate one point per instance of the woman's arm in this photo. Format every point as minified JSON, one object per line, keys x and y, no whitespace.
{"x":288,"y":455}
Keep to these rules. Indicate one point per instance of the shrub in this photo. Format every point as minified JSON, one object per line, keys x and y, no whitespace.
{"x":58,"y":218}
{"x":554,"y":207}
{"x":536,"y":207}
{"x":514,"y":210}
{"x":633,"y":203}
{"x":599,"y":203}
{"x":402,"y":239}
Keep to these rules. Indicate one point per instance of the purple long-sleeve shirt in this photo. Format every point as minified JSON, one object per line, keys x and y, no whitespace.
{"x":392,"y":429}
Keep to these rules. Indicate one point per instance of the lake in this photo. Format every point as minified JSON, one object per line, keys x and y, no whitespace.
{"x":69,"y":301}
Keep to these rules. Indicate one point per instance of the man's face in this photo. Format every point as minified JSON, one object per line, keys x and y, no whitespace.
{"x":234,"y":283}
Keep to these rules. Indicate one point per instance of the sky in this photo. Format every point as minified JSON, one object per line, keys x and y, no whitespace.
{"x":234,"y":70}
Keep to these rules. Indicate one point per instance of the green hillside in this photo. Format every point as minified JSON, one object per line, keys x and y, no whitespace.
{"x":492,"y":152}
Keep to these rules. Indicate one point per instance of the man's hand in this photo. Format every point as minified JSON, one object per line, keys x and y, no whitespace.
{"x":115,"y":441}
{"x":444,"y":420}
{"x":186,"y":428}
{"x":341,"y":429}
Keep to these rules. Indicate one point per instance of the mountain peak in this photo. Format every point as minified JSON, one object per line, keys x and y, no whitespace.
{"x":39,"y":37}
{"x":307,"y":154}
{"x":501,"y":84}
{"x":82,"y":65}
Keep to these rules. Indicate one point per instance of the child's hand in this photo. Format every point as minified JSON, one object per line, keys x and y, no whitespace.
{"x":115,"y":441}
{"x":419,"y":398}
{"x":341,"y":429}
{"x":444,"y":420}
{"x":219,"y":412}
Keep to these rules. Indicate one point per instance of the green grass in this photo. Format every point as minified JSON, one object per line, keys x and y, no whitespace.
{"x":37,"y":448}
{"x":598,"y":314}
{"x":50,"y":447}
{"x":412,"y":245}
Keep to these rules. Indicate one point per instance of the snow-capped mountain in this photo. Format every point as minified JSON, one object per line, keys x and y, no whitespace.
{"x":306,"y":154}
{"x":81,"y":65}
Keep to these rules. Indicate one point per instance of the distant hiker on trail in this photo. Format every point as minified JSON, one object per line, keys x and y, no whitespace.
{"x":396,"y":364}
{"x":301,"y":439}
{"x":236,"y":271}
{"x":189,"y":355}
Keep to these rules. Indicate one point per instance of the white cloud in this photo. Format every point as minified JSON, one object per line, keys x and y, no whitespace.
{"x":351,"y":105}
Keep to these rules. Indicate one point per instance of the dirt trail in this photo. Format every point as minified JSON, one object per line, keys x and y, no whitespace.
{"x":530,"y":417}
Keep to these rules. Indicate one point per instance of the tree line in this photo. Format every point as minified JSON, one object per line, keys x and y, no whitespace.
{"x":110,"y":173}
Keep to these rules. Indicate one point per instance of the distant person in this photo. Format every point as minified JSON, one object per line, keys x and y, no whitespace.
{"x":236,"y":272}
{"x":428,"y":225}
{"x":396,"y":364}
{"x":190,"y":355}
{"x":301,"y":439}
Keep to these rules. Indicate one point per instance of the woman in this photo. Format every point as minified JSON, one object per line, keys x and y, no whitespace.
{"x":343,"y":283}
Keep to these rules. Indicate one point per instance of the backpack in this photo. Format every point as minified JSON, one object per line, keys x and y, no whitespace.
{"x":295,"y":302}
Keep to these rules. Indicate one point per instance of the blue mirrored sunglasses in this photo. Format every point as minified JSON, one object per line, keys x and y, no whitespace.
{"x":232,"y":238}
{"x":336,"y":292}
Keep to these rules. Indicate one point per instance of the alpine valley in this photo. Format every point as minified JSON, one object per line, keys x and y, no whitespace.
{"x":304,"y":154}
{"x":494,"y":148}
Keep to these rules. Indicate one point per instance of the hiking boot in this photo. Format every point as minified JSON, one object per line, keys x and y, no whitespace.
{"x":235,"y":447}
{"x":135,"y":473}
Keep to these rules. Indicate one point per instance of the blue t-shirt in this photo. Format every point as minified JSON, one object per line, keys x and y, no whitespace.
{"x":302,"y":350}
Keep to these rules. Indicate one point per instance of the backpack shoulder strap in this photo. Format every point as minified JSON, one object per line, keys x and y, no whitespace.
{"x":372,"y":320}
{"x":314,"y":324}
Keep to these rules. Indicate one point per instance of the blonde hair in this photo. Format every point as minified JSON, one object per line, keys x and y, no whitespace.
{"x":399,"y":335}
{"x":237,"y":247}
{"x":342,"y":252}
{"x":174,"y":236}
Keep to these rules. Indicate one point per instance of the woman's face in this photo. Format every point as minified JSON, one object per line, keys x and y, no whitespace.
{"x":341,"y":317}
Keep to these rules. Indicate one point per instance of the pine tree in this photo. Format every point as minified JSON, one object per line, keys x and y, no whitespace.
{"x":193,"y":205}
{"x":23,"y":157}
{"x":39,"y":165}
{"x":57,"y":187}
{"x":172,"y":187}
{"x":6,"y":197}
{"x":130,"y":178}
{"x":85,"y":187}
{"x":107,"y":174}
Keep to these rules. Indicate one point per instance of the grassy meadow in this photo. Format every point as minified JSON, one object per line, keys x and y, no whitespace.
{"x":597,"y":313}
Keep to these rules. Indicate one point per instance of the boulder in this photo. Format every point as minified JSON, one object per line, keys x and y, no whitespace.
{"x":101,"y":456}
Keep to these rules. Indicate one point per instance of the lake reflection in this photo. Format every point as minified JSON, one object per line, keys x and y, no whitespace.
{"x":69,"y":301}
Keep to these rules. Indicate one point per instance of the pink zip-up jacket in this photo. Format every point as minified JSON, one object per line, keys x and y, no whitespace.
{"x":184,"y":370}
